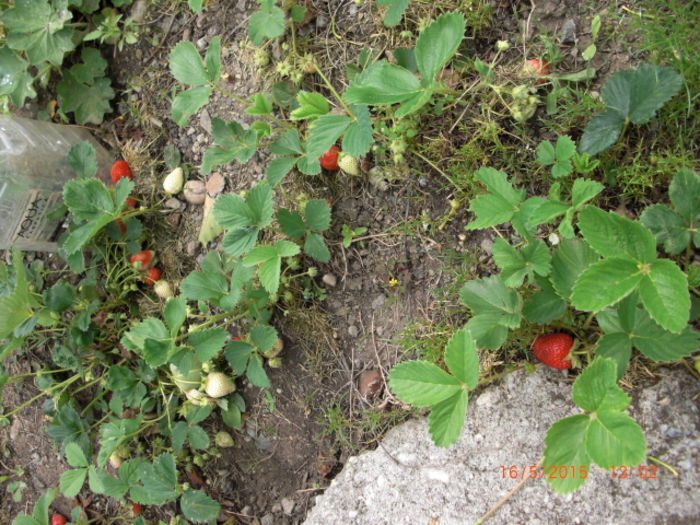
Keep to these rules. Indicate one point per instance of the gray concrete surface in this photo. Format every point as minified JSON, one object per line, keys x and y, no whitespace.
{"x":426,"y":485}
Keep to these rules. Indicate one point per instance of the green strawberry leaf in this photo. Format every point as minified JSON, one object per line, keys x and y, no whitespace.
{"x":315,"y":247}
{"x":317,"y":214}
{"x":633,"y":95}
{"x":490,"y":296}
{"x":324,"y":133}
{"x":261,"y":105}
{"x":569,"y":261}
{"x":207,"y":343}
{"x":446,"y":419}
{"x":71,"y":482}
{"x":565,"y":445}
{"x":545,"y":153}
{"x":234,"y":143}
{"x":311,"y":105}
{"x":499,"y":205}
{"x":614,"y":438}
{"x":664,"y":293}
{"x":604,"y":283}
{"x":437,"y":43}
{"x":395,"y":12}
{"x":187,"y":103}
{"x":75,"y":455}
{"x":212,"y":60}
{"x":601,"y":133}
{"x":382,"y":84}
{"x":684,"y":193}
{"x":545,"y":305}
{"x":187,"y":66}
{"x":158,"y":482}
{"x":669,"y":228}
{"x":613,"y":236}
{"x":422,"y":384}
{"x":198,"y":507}
{"x":533,"y":258}
{"x":204,"y":285}
{"x":462,"y":359}
{"x":487,"y":330}
{"x":278,"y":168}
{"x":358,"y":138}
{"x":596,"y":388}
{"x":175,"y":313}
{"x":291,"y":223}
{"x":268,"y":22}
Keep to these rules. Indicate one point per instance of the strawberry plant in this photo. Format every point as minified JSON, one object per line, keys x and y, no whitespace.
{"x":163,"y":373}
{"x":605,"y":270}
{"x":677,"y":228}
{"x":632,"y":95}
{"x":424,"y":384}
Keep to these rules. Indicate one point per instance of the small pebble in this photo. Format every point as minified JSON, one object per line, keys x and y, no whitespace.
{"x":353,"y":331}
{"x":173,"y":204}
{"x":329,"y":279}
{"x":370,"y":382}
{"x":287,"y":506}
{"x":191,"y":248}
{"x":215,"y":184}
{"x":194,"y":192}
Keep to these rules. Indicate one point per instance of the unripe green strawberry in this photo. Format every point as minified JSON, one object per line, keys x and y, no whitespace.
{"x":552,"y":350}
{"x":223,"y":439}
{"x":349,"y":165}
{"x":218,"y":385}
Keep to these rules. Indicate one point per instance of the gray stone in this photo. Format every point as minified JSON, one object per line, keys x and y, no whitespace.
{"x":353,"y":331}
{"x":267,"y":519}
{"x":329,"y":279}
{"x":287,"y":506}
{"x":378,"y":301}
{"x":506,"y":425}
{"x":567,"y":35}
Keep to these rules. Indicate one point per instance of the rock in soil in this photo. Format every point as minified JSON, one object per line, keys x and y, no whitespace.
{"x":194,"y":192}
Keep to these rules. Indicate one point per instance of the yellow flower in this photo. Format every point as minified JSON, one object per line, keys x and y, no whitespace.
{"x":393,"y":281}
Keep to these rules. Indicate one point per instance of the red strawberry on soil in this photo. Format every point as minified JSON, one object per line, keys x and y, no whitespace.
{"x":552,"y":350}
{"x":57,"y":519}
{"x":120,"y":169}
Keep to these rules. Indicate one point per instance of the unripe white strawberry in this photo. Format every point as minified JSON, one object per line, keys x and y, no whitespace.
{"x":115,"y":460}
{"x":196,"y":397}
{"x":173,"y":183}
{"x":163,"y":289}
{"x":349,"y":165}
{"x":218,"y":385}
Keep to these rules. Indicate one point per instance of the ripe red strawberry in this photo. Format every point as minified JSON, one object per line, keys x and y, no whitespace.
{"x":57,"y":519}
{"x":536,"y":67}
{"x":136,"y":509}
{"x":120,"y":169}
{"x":131,"y":202}
{"x":152,"y":275}
{"x":329,"y":160}
{"x":143,"y":259}
{"x":552,"y":350}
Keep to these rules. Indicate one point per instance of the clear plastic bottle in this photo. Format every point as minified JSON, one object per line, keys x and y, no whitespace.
{"x":33,"y":170}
